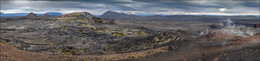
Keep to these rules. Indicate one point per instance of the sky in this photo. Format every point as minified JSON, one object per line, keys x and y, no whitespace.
{"x":137,"y":7}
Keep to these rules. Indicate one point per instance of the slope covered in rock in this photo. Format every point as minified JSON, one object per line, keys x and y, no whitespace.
{"x":81,"y":33}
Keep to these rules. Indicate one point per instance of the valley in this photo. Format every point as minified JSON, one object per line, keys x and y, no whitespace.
{"x":81,"y":36}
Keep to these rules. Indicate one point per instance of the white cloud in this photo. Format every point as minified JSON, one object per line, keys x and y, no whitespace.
{"x":222,"y":9}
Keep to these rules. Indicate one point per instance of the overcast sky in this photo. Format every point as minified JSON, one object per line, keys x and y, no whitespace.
{"x":148,"y":7}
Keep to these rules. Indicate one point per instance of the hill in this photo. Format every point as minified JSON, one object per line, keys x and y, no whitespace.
{"x":31,"y":15}
{"x":121,"y":16}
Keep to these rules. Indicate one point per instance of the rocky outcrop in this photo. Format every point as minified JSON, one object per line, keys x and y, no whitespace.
{"x":85,"y":16}
{"x":158,"y":39}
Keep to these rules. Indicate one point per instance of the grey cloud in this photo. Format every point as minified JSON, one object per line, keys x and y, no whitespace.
{"x":251,"y":4}
{"x":195,"y":6}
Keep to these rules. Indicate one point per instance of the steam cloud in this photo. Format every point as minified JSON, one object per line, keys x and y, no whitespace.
{"x":235,"y":30}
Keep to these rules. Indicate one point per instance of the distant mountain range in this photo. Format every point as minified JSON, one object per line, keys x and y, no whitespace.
{"x":13,"y":14}
{"x":53,"y":13}
{"x":123,"y":16}
{"x":24,"y":14}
